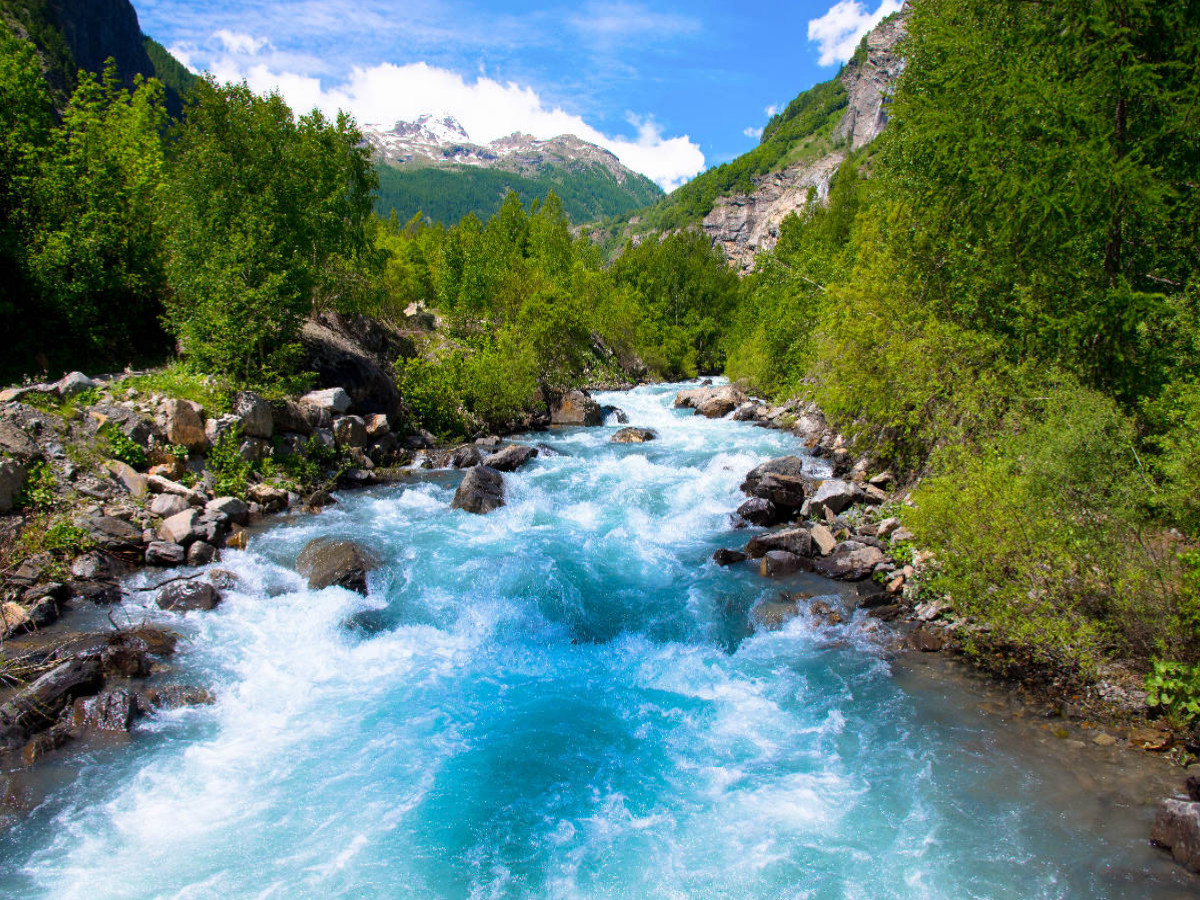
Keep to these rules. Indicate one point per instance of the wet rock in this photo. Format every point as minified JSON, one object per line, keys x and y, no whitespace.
{"x":796,"y":541}
{"x":319,"y":499}
{"x":201,"y":553}
{"x":181,"y":528}
{"x":720,"y":402}
{"x":757,"y":511}
{"x":787,"y":492}
{"x":186,"y":596}
{"x":777,"y":563}
{"x":1177,"y":828}
{"x":481,"y":491}
{"x":109,"y":711}
{"x":101,"y":591}
{"x":510,"y":458}
{"x":850,"y":562}
{"x":576,"y":408}
{"x":237,"y":511}
{"x":334,"y":401}
{"x":165,"y":554}
{"x":928,"y":639}
{"x":784,"y":465}
{"x":255,"y":414}
{"x":39,"y":705}
{"x":326,"y":562}
{"x":350,"y":431}
{"x":174,"y":696}
{"x":750,"y":411}
{"x":182,"y":421}
{"x":725,"y":557}
{"x":616,"y":412}
{"x":634,"y":436}
{"x":12,"y":479}
{"x":223,"y":579}
{"x":772,"y":615}
{"x":466,"y":457}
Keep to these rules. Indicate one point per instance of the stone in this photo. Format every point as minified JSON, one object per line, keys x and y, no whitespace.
{"x":1177,"y":828}
{"x":757,"y":511}
{"x":239,"y":540}
{"x":774,"y":614}
{"x":133,"y":482}
{"x":74,"y":384}
{"x":576,"y":408}
{"x":235,"y":510}
{"x":12,"y":479}
{"x":113,"y":710}
{"x":783,"y":465}
{"x":750,"y":411}
{"x":175,"y":696}
{"x":787,"y":492}
{"x":850,"y":562}
{"x":725,"y":557}
{"x":510,"y":458}
{"x":466,"y":457}
{"x":182,"y":421}
{"x":211,"y":528}
{"x":928,"y":639}
{"x":901,"y":535}
{"x":272,"y":499}
{"x":16,"y":442}
{"x":1154,"y":740}
{"x":481,"y":491}
{"x":114,"y":534}
{"x":334,"y":401}
{"x":186,"y":596}
{"x":886,"y":528}
{"x":796,"y":541}
{"x":327,"y":562}
{"x":377,"y":426}
{"x":720,"y":402}
{"x":777,"y":563}
{"x":181,"y":528}
{"x":254,"y":450}
{"x":290,"y":417}
{"x":165,"y":554}
{"x":823,"y":538}
{"x":835,"y":495}
{"x":355,"y":354}
{"x":350,"y":431}
{"x":14,"y":619}
{"x":39,"y":705}
{"x":875,"y":495}
{"x":634,"y":436}
{"x":166,"y":505}
{"x":255,"y":414}
{"x":201,"y":553}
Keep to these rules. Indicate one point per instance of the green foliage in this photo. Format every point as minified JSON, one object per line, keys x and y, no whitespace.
{"x":231,"y":471}
{"x":265,"y":212}
{"x":1173,"y":689}
{"x":447,"y":194}
{"x":183,"y":383}
{"x":47,"y":534}
{"x":121,"y":447}
{"x":40,"y":490}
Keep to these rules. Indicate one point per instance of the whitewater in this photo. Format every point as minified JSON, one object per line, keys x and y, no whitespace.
{"x":565,"y":698}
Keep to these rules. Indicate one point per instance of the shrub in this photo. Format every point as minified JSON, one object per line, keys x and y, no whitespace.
{"x":1173,"y":689}
{"x":40,"y":490}
{"x":122,"y":447}
{"x":231,"y":470}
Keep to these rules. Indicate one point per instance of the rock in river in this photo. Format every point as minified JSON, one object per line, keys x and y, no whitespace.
{"x":38,"y":705}
{"x":327,"y":562}
{"x":510,"y":458}
{"x":634,"y":436}
{"x":184,"y":596}
{"x":1177,"y":828}
{"x":481,"y":491}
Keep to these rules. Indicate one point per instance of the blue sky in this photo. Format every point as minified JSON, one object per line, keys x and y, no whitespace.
{"x":671,"y":87}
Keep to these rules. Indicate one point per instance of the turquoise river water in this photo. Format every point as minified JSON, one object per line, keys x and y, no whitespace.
{"x":563,"y":699}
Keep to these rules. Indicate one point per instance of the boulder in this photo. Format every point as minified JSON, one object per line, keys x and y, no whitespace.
{"x":750,"y":411}
{"x":326,"y":562}
{"x":851,"y":561}
{"x":787,"y":492}
{"x":181,"y":528}
{"x":129,"y":478}
{"x":12,"y":479}
{"x":778,"y":563}
{"x":576,"y":408}
{"x":350,"y":431}
{"x":758,"y":511}
{"x":254,"y":450}
{"x":773,"y":614}
{"x":510,"y":458}
{"x":481,"y":491}
{"x":271,"y":499}
{"x":165,"y":554}
{"x":720,"y":402}
{"x":725,"y":557}
{"x":835,"y":496}
{"x":74,"y":384}
{"x":1177,"y":828}
{"x":15,"y":442}
{"x":109,"y":711}
{"x":37,"y":706}
{"x":355,"y":355}
{"x":634,"y":436}
{"x":290,"y":417}
{"x":794,"y":540}
{"x":466,"y":457}
{"x":182,"y":421}
{"x":377,"y":426}
{"x":114,"y":534}
{"x":783,"y":465}
{"x":185,"y":596}
{"x":823,"y":539}
{"x":334,"y":401}
{"x":166,"y":505}
{"x":237,"y":511}
{"x":201,"y":553}
{"x":255,"y":414}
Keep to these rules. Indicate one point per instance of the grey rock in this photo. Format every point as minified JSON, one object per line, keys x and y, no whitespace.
{"x":510,"y":458}
{"x":794,"y":540}
{"x":165,"y":554}
{"x":181,"y":528}
{"x":778,"y":563}
{"x":850,"y":562}
{"x":634,"y":436}
{"x":787,"y":492}
{"x":113,"y":710}
{"x":1177,"y":828}
{"x":725,"y":557}
{"x":334,"y":401}
{"x":836,"y":496}
{"x":288,"y":416}
{"x":326,"y":562}
{"x":466,"y":457}
{"x":255,"y":414}
{"x":758,"y":511}
{"x":720,"y":402}
{"x":254,"y":450}
{"x":166,"y":505}
{"x":823,"y":539}
{"x":201,"y":553}
{"x":74,"y":384}
{"x":576,"y":408}
{"x":237,"y":511}
{"x":182,"y":421}
{"x":114,"y":534}
{"x":350,"y":431}
{"x":37,"y":706}
{"x":186,"y":596}
{"x":481,"y":491}
{"x":783,"y":465}
{"x":12,"y":479}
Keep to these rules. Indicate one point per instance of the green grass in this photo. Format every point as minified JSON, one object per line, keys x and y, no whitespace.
{"x":181,"y":383}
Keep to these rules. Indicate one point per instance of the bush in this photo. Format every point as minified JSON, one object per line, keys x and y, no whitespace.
{"x":123,"y":448}
{"x":40,"y":490}
{"x":231,"y":471}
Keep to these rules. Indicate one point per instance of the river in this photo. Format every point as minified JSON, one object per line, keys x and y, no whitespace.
{"x":563,"y":699}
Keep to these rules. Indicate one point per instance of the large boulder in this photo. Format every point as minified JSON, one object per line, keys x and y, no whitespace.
{"x":74,"y":384}
{"x":12,"y":479}
{"x":481,"y":491}
{"x":720,"y":402}
{"x":290,"y":417}
{"x":757,"y":511}
{"x":634,"y":436}
{"x":784,"y":465}
{"x":835,"y":496}
{"x":237,"y":511}
{"x":185,"y":596}
{"x":576,"y":408}
{"x":333,"y":401}
{"x":182,"y":421}
{"x":327,"y":562}
{"x":166,"y":505}
{"x":355,"y":354}
{"x":777,"y":563}
{"x":510,"y":458}
{"x":181,"y":528}
{"x":466,"y":457}
{"x":794,"y":540}
{"x":255,"y":414}
{"x":787,"y":492}
{"x":38,"y":705}
{"x":1177,"y":828}
{"x":851,"y":561}
{"x":350,"y":431}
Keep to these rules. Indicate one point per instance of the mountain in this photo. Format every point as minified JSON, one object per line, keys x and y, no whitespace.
{"x":82,"y":34}
{"x":742,"y":203}
{"x":432,"y":166}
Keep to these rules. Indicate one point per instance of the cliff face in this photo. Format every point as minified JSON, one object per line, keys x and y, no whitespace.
{"x":745,"y":225}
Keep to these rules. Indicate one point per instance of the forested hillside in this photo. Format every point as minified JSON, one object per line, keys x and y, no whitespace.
{"x":1008,"y":308}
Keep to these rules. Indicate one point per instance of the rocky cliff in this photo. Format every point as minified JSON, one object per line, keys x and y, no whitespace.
{"x":746,"y":224}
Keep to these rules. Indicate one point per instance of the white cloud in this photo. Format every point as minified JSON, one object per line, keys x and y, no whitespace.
{"x":238,"y":42}
{"x":487,"y":109}
{"x":772,"y":110}
{"x":753,"y":132}
{"x":838,"y":32}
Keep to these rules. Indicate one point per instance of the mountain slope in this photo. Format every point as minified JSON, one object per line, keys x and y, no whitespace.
{"x":432,"y":166}
{"x":82,"y":34}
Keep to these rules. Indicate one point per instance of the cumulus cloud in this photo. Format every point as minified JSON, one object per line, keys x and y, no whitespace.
{"x":753,"y":132}
{"x":487,"y":108}
{"x":237,"y":42}
{"x":838,"y":32}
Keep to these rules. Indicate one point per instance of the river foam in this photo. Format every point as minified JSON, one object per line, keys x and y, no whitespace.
{"x":561,"y":699}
